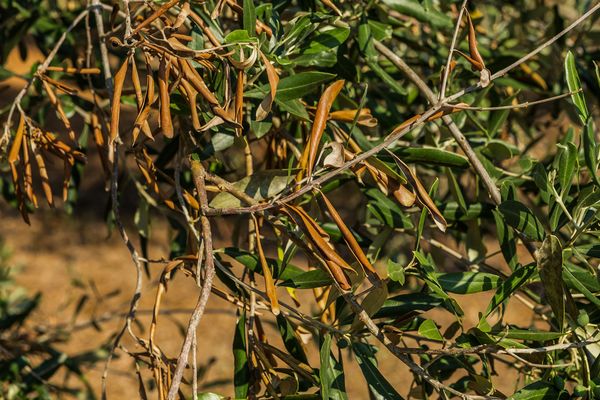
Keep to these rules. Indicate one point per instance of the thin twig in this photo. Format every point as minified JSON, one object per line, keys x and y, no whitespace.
{"x":454,"y":129}
{"x":525,"y":58}
{"x":515,"y":106}
{"x":198,"y":173}
{"x":451,"y":51}
{"x":115,"y":205}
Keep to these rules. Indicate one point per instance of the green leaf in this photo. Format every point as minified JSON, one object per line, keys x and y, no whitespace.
{"x":550,"y":264}
{"x":241,"y":371}
{"x":590,"y":150}
{"x":590,"y":250}
{"x":414,"y":9}
{"x":468,"y":282}
{"x":452,"y":211}
{"x":527,"y":334}
{"x":403,"y":304}
{"x":294,"y":86}
{"x":385,"y":77}
{"x":331,"y":373}
{"x":509,"y":286}
{"x":539,"y":391}
{"x":294,"y":107}
{"x":507,"y":240}
{"x":5,"y":73}
{"x":260,"y":128}
{"x":456,"y":190}
{"x":308,"y":280}
{"x":396,"y":272}
{"x":290,"y":341}
{"x":387,"y":210}
{"x":431,"y":156}
{"x":589,"y":280}
{"x":566,"y":165}
{"x":577,"y":284}
{"x":260,"y":186}
{"x":574,"y":85}
{"x":430,"y":330}
{"x":251,"y":262}
{"x":239,"y":36}
{"x":328,"y":38}
{"x":521,"y":218}
{"x":498,"y":118}
{"x":380,"y":388}
{"x":249,"y":17}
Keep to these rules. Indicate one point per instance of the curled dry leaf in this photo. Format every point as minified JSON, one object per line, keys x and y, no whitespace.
{"x":73,"y":70}
{"x":405,"y":196}
{"x":320,"y":121}
{"x":194,"y":78}
{"x":475,"y":59}
{"x":421,"y":193}
{"x":155,"y":15}
{"x":336,"y":158}
{"x":184,"y":12}
{"x":265,"y":106}
{"x":364,"y":117}
{"x":141,"y":119}
{"x":149,"y":171}
{"x":245,"y":63}
{"x":115,"y":106}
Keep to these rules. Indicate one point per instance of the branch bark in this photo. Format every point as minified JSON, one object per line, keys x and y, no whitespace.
{"x":199,"y":175}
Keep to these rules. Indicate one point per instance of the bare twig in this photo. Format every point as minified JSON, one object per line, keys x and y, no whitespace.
{"x":198,"y":173}
{"x":451,"y":52}
{"x":515,"y":106}
{"x":454,"y":129}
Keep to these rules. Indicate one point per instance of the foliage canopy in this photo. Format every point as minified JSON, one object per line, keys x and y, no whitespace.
{"x":377,"y":160}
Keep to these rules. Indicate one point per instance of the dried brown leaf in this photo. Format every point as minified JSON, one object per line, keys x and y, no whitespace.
{"x":166,"y":124}
{"x":13,"y":154}
{"x":115,"y":106}
{"x":320,"y":121}
{"x":268,"y":275}
{"x":405,"y":196}
{"x":265,"y":106}
{"x":421,"y":193}
{"x":476,"y":60}
{"x":350,"y":239}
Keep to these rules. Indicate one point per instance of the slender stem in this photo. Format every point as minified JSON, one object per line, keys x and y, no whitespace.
{"x":451,"y":51}
{"x":198,"y":173}
{"x":514,"y":106}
